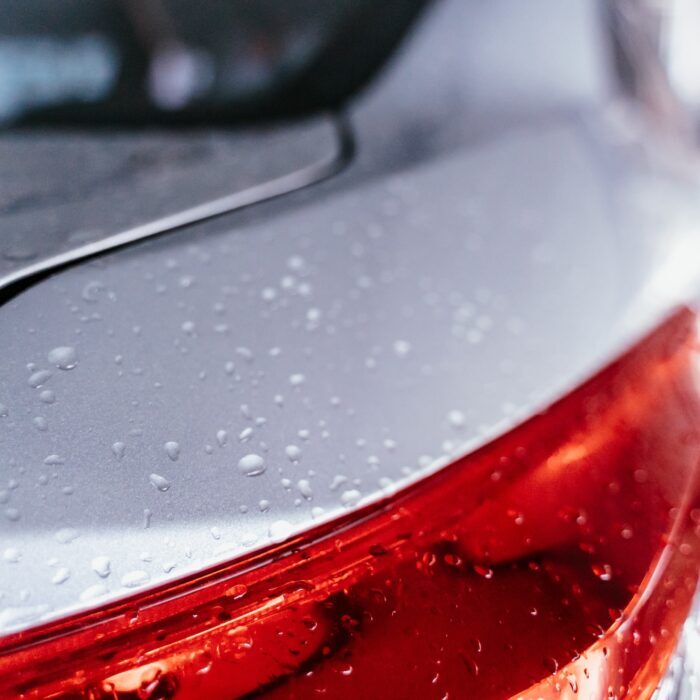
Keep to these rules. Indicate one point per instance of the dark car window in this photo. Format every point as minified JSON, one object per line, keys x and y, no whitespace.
{"x":181,"y":61}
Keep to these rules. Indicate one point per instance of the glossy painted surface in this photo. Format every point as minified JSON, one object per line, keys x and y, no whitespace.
{"x":558,"y":562}
{"x":190,"y":399}
{"x":67,"y":195}
{"x":196,"y":350}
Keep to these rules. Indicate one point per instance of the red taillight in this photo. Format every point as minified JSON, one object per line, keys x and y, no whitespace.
{"x":558,"y":561}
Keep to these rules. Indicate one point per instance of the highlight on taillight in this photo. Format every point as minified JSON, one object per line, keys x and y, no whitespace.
{"x":559,"y":561}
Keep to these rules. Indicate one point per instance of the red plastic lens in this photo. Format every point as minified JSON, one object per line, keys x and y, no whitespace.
{"x":558,"y":561}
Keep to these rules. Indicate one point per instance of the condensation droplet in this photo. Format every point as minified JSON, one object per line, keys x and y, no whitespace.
{"x":350,"y":497}
{"x":12,"y":555}
{"x":245,"y":434}
{"x":402,"y":348}
{"x":293,"y":452}
{"x":47,"y":396}
{"x":172,"y":449}
{"x":280,"y":530}
{"x":160,"y":482}
{"x":101,"y":566}
{"x":118,"y":449}
{"x":251,"y":464}
{"x":456,"y":418}
{"x":61,"y":576}
{"x":66,"y":535}
{"x":39,"y":378}
{"x":12,"y":514}
{"x":304,"y":487}
{"x":297,"y":379}
{"x":135,"y":578}
{"x":95,"y":591}
{"x":63,"y":357}
{"x":13,"y":617}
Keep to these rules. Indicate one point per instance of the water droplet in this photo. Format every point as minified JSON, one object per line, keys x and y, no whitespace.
{"x":172,"y":449}
{"x":297,"y":379}
{"x":91,"y":291}
{"x":12,"y":555}
{"x":641,"y":476}
{"x":293,"y":452}
{"x":251,"y":464}
{"x":304,"y":487}
{"x":245,"y":353}
{"x":47,"y":396}
{"x":95,"y":591}
{"x":14,"y":617}
{"x":63,"y":357}
{"x":551,"y":664}
{"x":483,"y":571}
{"x":160,"y":482}
{"x":280,"y":530}
{"x":245,"y":434}
{"x":135,"y":578}
{"x":402,"y":348}
{"x":118,"y":449}
{"x":202,"y":662}
{"x":296,"y":263}
{"x":237,"y":591}
{"x":602,"y":571}
{"x":12,"y":514}
{"x":221,"y":437}
{"x":350,"y":497}
{"x":456,"y":418}
{"x":4,"y":411}
{"x":66,"y":535}
{"x":39,"y":378}
{"x":101,"y":566}
{"x":338,"y":480}
{"x":61,"y":576}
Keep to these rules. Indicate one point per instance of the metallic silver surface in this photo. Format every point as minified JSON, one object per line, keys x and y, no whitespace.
{"x":187,"y":399}
{"x":68,"y":196}
{"x":329,"y":340}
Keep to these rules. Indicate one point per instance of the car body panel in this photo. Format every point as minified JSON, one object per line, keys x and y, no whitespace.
{"x":67,"y":196}
{"x":201,"y":347}
{"x":461,"y":273}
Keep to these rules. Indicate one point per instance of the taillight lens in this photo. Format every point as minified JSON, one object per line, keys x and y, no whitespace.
{"x":558,"y":561}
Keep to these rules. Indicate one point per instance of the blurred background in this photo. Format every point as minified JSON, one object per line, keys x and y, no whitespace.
{"x":178,"y":61}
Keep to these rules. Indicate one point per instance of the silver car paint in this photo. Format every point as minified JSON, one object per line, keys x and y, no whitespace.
{"x":66,"y":196}
{"x":354,"y":337}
